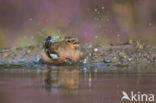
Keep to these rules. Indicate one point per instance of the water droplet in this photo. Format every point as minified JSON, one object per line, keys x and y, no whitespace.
{"x":90,"y":46}
{"x":30,"y":19}
{"x":95,"y":10}
{"x":102,"y":7}
{"x":32,"y":37}
{"x":118,"y":35}
{"x":85,"y":69}
{"x":98,"y":13}
{"x":90,"y":54}
{"x":95,"y":49}
{"x":85,"y":61}
{"x":150,"y":24}
{"x":96,"y":36}
{"x":28,"y":51}
{"x":96,"y":18}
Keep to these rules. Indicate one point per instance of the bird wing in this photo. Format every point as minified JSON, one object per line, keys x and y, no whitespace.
{"x":53,"y":51}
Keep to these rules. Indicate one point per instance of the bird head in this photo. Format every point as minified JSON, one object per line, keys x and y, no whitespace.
{"x":72,"y":41}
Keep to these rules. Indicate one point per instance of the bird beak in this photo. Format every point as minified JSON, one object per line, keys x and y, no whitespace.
{"x":76,"y":43}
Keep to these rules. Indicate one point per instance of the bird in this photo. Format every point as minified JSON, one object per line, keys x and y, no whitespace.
{"x":61,"y":52}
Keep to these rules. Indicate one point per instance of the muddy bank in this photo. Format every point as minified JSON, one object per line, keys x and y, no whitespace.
{"x":94,"y":55}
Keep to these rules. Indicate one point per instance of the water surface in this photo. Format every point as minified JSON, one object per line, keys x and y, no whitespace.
{"x":74,"y":85}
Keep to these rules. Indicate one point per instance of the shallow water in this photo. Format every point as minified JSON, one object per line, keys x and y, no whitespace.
{"x":74,"y":85}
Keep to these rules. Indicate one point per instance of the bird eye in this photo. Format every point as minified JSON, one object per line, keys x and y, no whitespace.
{"x":68,"y":41}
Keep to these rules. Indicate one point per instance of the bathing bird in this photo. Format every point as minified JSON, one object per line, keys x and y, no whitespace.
{"x":61,"y":52}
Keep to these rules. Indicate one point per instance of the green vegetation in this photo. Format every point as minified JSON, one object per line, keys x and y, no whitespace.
{"x":49,"y":31}
{"x":23,"y":41}
{"x":139,"y":45}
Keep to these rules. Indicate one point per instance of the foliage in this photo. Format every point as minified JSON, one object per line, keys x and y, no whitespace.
{"x":139,"y":45}
{"x":23,"y":41}
{"x":49,"y":31}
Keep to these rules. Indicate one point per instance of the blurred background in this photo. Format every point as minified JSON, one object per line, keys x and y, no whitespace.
{"x":26,"y":22}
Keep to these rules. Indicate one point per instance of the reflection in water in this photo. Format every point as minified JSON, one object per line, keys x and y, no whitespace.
{"x":68,"y":85}
{"x":67,"y":79}
{"x":47,"y":78}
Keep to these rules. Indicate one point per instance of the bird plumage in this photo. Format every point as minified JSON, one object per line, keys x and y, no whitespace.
{"x":60,"y":52}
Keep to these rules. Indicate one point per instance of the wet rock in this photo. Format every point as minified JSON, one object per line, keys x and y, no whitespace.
{"x":104,"y":54}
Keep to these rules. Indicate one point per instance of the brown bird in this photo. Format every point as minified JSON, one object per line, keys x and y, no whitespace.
{"x":61,"y":52}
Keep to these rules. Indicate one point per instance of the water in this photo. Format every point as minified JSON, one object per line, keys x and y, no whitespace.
{"x":74,"y":85}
